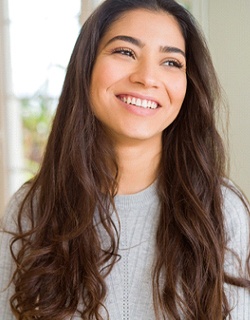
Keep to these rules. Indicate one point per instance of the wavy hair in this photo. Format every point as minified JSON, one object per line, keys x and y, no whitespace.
{"x":60,"y":264}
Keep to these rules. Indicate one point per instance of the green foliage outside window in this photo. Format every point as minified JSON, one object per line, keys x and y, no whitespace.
{"x":37,"y":114}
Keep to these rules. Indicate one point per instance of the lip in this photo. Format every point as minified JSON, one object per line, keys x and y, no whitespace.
{"x":135,"y":110}
{"x":138,"y":96}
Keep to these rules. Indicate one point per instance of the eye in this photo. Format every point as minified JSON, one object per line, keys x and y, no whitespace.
{"x":173,"y":63}
{"x":124,"y":52}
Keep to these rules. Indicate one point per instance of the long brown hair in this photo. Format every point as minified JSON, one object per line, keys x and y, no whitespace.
{"x":60,"y":261}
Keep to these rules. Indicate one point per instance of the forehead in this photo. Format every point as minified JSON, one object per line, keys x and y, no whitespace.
{"x":149,"y":26}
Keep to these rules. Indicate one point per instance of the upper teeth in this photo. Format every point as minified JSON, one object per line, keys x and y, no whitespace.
{"x":139,"y":102}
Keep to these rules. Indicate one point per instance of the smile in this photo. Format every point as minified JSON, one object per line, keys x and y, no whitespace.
{"x":143,"y":103}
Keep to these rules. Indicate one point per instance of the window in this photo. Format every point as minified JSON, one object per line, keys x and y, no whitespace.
{"x":42,"y":35}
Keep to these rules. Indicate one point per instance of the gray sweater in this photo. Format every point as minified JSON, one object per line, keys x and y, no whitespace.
{"x":130,"y":282}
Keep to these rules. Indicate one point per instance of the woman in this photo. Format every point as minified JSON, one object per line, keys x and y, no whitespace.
{"x":130,"y":216}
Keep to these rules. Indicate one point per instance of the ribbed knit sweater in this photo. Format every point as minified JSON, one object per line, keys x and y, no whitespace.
{"x":130,"y":282}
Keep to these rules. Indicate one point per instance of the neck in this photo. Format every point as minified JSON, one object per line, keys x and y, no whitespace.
{"x":138,"y":166}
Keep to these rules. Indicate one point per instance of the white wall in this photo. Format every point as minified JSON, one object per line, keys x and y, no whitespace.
{"x":229,"y":41}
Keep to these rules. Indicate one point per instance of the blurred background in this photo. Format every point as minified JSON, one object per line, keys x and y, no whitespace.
{"x":36,"y":40}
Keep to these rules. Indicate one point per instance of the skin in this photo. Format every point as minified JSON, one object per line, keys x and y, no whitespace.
{"x":137,"y":66}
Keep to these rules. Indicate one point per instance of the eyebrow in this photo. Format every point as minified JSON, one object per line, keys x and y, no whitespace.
{"x":140,"y":44}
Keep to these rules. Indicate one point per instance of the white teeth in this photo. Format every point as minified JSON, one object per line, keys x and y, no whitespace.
{"x":140,"y":103}
{"x":154,"y":105}
{"x":145,"y":103}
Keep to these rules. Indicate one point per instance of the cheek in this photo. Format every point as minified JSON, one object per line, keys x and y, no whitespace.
{"x":104,"y":75}
{"x":98,"y":77}
{"x":98,"y":81}
{"x":179,"y":90}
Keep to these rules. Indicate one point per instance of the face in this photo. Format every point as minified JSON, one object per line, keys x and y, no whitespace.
{"x":139,"y":81}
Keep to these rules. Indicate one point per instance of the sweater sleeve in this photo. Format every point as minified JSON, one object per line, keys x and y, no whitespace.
{"x":7,"y":264}
{"x":237,"y":223}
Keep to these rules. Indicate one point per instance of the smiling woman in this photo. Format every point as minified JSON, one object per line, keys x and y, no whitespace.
{"x":133,"y":68}
{"x":131,"y":215}
{"x":139,"y":83}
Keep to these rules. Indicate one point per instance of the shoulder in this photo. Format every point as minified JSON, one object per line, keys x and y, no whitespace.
{"x":8,"y":228}
{"x":237,"y":224}
{"x":237,"y":221}
{"x":235,"y":209}
{"x":9,"y":219}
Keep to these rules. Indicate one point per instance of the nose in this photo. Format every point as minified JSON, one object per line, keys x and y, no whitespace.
{"x":145,"y":73}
